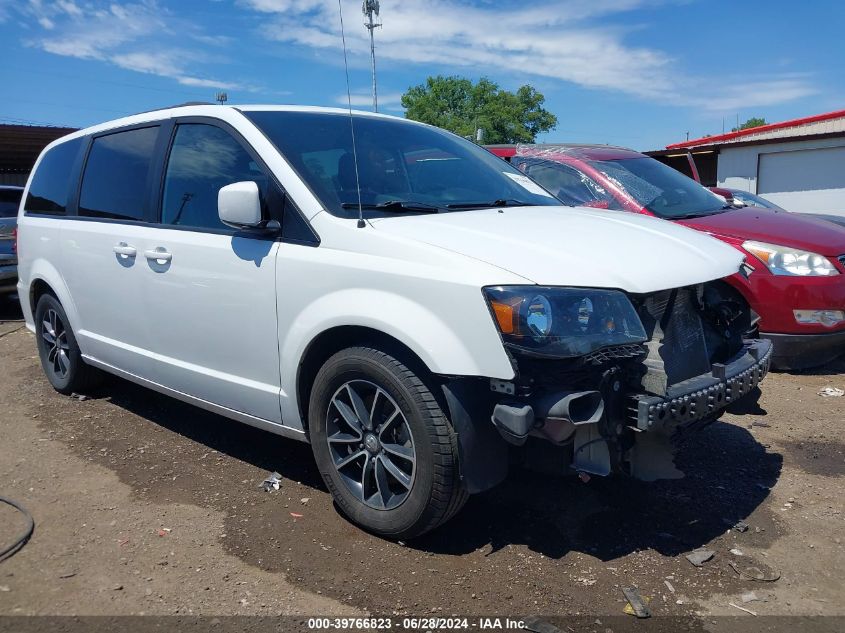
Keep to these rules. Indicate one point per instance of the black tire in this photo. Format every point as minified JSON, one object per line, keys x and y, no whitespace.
{"x":435,"y":493}
{"x":62,"y":363}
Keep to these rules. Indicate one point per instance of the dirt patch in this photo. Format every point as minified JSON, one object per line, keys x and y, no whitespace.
{"x":100,"y":547}
{"x":818,"y":456}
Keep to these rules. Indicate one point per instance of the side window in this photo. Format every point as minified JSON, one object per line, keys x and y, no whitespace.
{"x":50,"y":187}
{"x":114,"y":184}
{"x":203,"y":159}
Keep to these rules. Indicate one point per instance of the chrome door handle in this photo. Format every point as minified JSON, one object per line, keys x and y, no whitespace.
{"x":122,"y":248}
{"x":158,"y":254}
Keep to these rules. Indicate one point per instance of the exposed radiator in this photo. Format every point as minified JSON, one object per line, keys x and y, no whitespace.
{"x":677,"y":349}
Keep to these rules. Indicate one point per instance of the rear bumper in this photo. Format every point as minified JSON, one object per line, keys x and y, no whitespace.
{"x":801,"y":351}
{"x":701,"y":399}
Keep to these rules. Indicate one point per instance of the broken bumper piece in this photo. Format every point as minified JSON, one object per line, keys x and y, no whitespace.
{"x":701,"y":398}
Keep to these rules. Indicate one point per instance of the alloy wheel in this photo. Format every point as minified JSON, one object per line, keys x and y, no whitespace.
{"x":370,"y":444}
{"x":54,"y":333}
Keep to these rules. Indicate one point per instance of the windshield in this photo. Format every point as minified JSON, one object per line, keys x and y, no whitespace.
{"x":10,"y":199}
{"x":401,"y":166}
{"x":568,"y":184}
{"x":660,"y":189}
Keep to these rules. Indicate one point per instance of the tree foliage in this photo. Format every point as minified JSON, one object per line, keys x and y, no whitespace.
{"x":461,"y":106}
{"x":754,"y":121}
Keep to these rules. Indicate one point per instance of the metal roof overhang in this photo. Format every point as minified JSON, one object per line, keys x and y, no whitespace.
{"x":717,"y":147}
{"x":20,"y":145}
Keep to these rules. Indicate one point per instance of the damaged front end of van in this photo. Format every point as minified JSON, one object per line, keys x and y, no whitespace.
{"x":610,"y":382}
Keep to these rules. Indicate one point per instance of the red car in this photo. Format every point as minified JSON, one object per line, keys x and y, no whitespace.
{"x":798,"y":284}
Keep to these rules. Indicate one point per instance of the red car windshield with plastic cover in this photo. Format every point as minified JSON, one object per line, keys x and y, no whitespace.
{"x":615,"y":178}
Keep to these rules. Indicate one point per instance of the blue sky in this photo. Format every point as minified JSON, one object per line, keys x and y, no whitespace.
{"x":640,"y":73}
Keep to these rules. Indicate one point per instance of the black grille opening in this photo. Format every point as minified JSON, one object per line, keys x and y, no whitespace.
{"x":617,"y":352}
{"x":689,"y":329}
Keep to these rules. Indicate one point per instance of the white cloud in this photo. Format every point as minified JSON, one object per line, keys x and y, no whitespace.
{"x":281,"y":6}
{"x":740,"y":93}
{"x":140,"y":36}
{"x":360,"y":99}
{"x":69,"y":7}
{"x":568,"y":40}
{"x":210,"y":83}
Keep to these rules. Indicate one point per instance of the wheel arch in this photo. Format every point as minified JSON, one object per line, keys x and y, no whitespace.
{"x":742,"y":288}
{"x":45,"y":278}
{"x":466,"y":346}
{"x":329,"y":342}
{"x":37,"y":288}
{"x":466,"y":400}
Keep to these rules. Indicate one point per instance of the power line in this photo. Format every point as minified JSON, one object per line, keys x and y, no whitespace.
{"x":65,"y":105}
{"x":16,"y":121}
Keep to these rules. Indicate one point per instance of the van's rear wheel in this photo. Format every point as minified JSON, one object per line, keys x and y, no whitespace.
{"x":60,"y":357}
{"x":383,"y":445}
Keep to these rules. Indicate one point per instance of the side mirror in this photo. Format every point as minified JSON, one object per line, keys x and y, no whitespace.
{"x":239,"y":205}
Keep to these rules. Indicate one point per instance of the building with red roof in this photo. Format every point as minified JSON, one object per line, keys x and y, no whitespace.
{"x":797,"y":164}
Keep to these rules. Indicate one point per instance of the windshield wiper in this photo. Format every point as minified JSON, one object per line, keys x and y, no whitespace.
{"x":501,"y":202}
{"x":690,"y":216}
{"x":395,"y":205}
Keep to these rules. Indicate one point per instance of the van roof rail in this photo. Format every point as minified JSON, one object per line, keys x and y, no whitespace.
{"x":177,"y":105}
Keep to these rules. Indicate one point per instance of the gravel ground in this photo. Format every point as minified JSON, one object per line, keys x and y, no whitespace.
{"x":146,"y":505}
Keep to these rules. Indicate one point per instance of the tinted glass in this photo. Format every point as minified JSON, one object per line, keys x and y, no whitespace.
{"x":10,"y":199}
{"x":662,"y":190}
{"x":51,"y":184}
{"x":397,"y":162}
{"x":115,"y":181}
{"x":203,"y":159}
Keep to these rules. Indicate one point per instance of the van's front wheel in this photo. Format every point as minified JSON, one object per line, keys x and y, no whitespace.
{"x":383,"y":445}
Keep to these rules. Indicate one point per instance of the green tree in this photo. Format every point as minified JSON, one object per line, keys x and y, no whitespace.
{"x":461,"y":106}
{"x":754,"y":121}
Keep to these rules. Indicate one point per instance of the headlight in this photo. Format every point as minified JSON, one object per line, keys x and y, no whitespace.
{"x":785,"y":260}
{"x":539,"y":317}
{"x":563,"y":322}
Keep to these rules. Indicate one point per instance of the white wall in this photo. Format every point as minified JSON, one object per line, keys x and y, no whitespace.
{"x":793,"y":176}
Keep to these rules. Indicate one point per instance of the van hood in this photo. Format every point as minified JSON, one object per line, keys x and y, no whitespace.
{"x":775,"y":227}
{"x":565,"y":246}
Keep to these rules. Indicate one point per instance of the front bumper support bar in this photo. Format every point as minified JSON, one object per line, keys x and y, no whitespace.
{"x":704,"y":396}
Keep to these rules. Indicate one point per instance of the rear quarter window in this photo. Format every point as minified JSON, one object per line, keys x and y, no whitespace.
{"x":114,"y":184}
{"x":51,"y":183}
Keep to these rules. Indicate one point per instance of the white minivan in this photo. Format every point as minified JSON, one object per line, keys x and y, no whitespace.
{"x":418,"y":310}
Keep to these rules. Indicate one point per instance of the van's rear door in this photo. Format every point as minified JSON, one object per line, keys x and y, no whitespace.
{"x":103,"y":239}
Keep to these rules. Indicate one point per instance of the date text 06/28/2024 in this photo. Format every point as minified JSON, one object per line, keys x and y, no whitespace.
{"x":413,"y":624}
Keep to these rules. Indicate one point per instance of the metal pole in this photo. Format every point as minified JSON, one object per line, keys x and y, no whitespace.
{"x":371,"y":26}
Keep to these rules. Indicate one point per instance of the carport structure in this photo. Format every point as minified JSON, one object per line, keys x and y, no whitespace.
{"x":20,"y":146}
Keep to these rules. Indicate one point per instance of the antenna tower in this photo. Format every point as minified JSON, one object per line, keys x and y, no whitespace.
{"x":371,"y":8}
